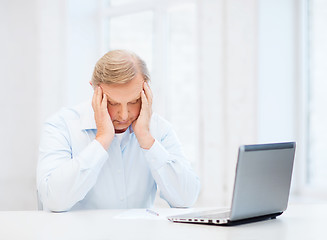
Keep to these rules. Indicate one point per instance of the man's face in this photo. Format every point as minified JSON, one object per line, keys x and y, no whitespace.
{"x":124,"y":102}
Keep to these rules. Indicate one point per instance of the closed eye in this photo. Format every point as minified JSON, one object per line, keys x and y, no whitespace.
{"x":116,"y":104}
{"x":112,"y":104}
{"x":134,"y":102}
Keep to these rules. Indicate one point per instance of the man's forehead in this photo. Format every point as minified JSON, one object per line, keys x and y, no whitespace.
{"x":123,"y":99}
{"x":124,"y":92}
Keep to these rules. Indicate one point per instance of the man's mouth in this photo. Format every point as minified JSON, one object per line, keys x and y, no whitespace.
{"x":123,"y":122}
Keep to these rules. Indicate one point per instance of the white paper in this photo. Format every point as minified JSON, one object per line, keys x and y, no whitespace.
{"x":144,"y":214}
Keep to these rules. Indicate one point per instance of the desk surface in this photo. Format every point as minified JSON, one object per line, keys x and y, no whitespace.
{"x":298,"y":222}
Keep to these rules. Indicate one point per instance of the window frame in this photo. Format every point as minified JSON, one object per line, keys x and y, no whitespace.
{"x":302,"y":186}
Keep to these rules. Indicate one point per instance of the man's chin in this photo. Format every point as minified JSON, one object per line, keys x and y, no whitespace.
{"x":120,"y":130}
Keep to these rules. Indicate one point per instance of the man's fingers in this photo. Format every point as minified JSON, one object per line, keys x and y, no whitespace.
{"x":95,"y":98}
{"x":144,"y":99}
{"x":104,"y":102}
{"x":148,"y":92}
{"x":99,"y":100}
{"x":99,"y":96}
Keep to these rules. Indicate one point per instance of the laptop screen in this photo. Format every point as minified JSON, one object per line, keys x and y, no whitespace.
{"x":262,"y":179}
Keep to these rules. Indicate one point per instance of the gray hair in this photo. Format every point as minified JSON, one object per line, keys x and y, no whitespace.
{"x":119,"y":66}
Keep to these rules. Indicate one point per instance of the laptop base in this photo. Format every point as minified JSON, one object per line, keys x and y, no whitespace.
{"x":235,"y":222}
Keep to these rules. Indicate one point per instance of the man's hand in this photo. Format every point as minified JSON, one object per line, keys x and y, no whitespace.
{"x":141,"y":125}
{"x":106,"y":131}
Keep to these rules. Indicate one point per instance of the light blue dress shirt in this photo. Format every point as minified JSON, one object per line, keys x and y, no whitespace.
{"x":75,"y":171}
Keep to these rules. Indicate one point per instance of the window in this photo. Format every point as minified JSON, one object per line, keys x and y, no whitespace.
{"x":133,"y":32}
{"x":163,"y":33}
{"x":317,"y":110}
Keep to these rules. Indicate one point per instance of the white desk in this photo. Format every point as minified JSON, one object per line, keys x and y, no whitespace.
{"x":298,"y":222}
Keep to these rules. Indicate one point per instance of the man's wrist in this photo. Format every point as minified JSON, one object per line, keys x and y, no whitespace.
{"x":146,"y":141}
{"x":104,"y":141}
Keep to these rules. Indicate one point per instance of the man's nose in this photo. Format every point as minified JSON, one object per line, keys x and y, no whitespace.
{"x":124,"y":113}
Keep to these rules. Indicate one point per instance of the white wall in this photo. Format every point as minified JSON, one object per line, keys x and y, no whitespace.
{"x":82,"y":33}
{"x":277,"y":70}
{"x":48,"y":50}
{"x":280,"y":75}
{"x":68,"y":49}
{"x":228,"y":73}
{"x":18,"y":100}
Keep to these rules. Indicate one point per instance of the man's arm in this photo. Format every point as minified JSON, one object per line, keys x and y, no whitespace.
{"x":64,"y":179}
{"x":178,"y":183}
{"x":141,"y":126}
{"x":105,"y":128}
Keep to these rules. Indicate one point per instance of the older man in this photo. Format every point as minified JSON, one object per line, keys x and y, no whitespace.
{"x":113,"y":152}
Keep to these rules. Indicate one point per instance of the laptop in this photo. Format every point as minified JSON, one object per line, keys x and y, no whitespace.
{"x":261,"y":187}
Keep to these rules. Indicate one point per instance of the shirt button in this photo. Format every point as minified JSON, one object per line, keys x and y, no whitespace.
{"x":121,"y":199}
{"x":119,"y":171}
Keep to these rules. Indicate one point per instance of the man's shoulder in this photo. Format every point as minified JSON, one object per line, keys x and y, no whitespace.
{"x":69,"y":113}
{"x":159,"y":124}
{"x":158,"y":119}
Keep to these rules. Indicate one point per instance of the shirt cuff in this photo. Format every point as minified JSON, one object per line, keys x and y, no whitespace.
{"x":157,"y":156}
{"x":92,"y":155}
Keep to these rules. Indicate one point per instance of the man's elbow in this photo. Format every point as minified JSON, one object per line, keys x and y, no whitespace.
{"x":56,"y":205}
{"x":189,"y":198}
{"x":184,"y":203}
{"x":55,"y":202}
